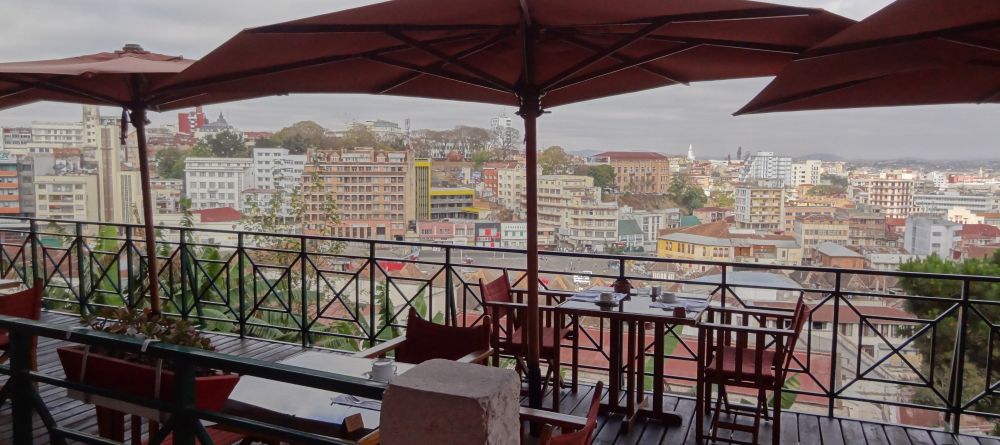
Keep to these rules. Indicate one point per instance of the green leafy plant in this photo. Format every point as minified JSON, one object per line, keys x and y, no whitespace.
{"x":140,"y":324}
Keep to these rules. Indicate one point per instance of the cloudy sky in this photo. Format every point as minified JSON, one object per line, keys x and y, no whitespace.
{"x":665,"y":120}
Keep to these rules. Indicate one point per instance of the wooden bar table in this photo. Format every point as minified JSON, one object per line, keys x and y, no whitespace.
{"x":627,"y":322}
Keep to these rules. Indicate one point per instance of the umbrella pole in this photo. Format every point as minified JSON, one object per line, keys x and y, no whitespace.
{"x":138,"y":118}
{"x":530,"y":109}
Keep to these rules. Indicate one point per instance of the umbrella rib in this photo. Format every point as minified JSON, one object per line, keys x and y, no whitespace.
{"x":432,"y":71}
{"x":603,"y":53}
{"x":752,"y":46}
{"x":715,"y":16}
{"x":629,"y":63}
{"x":804,"y":95}
{"x":169,"y":94}
{"x":951,"y":32}
{"x":291,"y":28}
{"x":653,"y":70}
{"x":18,"y":90}
{"x":487,"y":77}
{"x":60,"y":88}
{"x":460,"y":55}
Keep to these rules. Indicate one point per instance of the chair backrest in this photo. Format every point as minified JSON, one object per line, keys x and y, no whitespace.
{"x":426,"y":340}
{"x":786,"y":352}
{"x":23,"y":304}
{"x":582,"y":436}
{"x":496,"y":291}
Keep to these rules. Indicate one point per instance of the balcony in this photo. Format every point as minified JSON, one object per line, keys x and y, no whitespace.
{"x":862,"y":373}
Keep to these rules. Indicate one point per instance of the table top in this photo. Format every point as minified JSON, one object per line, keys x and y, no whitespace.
{"x":636,"y":307}
{"x":10,"y":284}
{"x":309,"y":403}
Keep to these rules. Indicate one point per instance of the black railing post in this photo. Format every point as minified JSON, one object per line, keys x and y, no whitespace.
{"x":303,"y":297}
{"x":185,"y":276}
{"x":449,"y":293}
{"x":36,"y":270}
{"x":722,"y":284}
{"x":20,"y":386}
{"x":958,"y":360}
{"x":133,"y":300}
{"x":241,"y":284}
{"x":834,"y":363}
{"x":372,"y":309}
{"x":82,"y":297}
{"x":184,"y":403}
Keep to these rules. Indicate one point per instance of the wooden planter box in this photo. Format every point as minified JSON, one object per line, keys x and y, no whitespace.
{"x":211,"y":391}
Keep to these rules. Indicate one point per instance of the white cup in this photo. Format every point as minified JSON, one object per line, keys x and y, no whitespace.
{"x":383,"y":369}
{"x":668,"y":297}
{"x":607,"y":297}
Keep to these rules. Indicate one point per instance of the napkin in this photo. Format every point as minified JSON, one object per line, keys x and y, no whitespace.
{"x":689,"y":305}
{"x":594,"y":296}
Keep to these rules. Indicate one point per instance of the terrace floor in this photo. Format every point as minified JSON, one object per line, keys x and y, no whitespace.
{"x":798,"y":428}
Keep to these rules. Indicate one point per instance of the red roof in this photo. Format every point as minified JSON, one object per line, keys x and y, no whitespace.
{"x":221,"y":214}
{"x":630,"y":155}
{"x":980,"y":231}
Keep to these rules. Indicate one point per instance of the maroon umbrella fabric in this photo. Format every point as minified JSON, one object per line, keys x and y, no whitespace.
{"x":912,"y":52}
{"x":124,"y":78}
{"x":533,"y":54}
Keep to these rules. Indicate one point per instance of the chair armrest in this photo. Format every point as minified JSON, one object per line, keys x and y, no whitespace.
{"x":566,"y":422}
{"x":516,"y":305}
{"x":380,"y":350}
{"x":772,"y":312}
{"x":746,"y":329}
{"x":478,"y":357}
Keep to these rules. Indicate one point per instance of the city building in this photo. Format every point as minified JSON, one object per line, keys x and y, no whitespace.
{"x":630,"y":235}
{"x":217,"y":182}
{"x":760,"y":205}
{"x":827,"y":254}
{"x":886,"y":258}
{"x":67,"y":197}
{"x":869,"y":228}
{"x":10,"y":194}
{"x":167,"y":193}
{"x":217,"y":126}
{"x":795,"y":213}
{"x":892,"y":191}
{"x":191,"y":121}
{"x":119,"y":189}
{"x":637,"y":171}
{"x":573,"y":207}
{"x":813,"y":230}
{"x":488,"y":234}
{"x":979,"y":235}
{"x":514,"y":235}
{"x":452,"y":203}
{"x":369,"y":188}
{"x":768,"y":166}
{"x":29,"y":167}
{"x":929,"y":234}
{"x":651,"y":222}
{"x":422,"y":189}
{"x":14,"y":137}
{"x":963,"y":215}
{"x":941,"y":203}
{"x":511,"y":183}
{"x":277,"y":176}
{"x":712,"y":214}
{"x":806,"y":173}
{"x":715,"y":242}
{"x":460,"y":233}
{"x":57,"y":134}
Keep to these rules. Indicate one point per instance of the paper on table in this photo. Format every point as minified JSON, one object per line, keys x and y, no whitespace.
{"x":349,"y":400}
{"x":690,"y":305}
{"x":592,"y":296}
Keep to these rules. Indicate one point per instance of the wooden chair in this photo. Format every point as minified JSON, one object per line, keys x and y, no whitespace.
{"x":23,"y":304}
{"x":425,"y":340}
{"x":745,"y":348}
{"x":572,"y":432}
{"x":510,"y":336}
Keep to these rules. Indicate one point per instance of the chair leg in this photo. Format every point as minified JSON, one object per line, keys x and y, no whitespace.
{"x":699,"y":411}
{"x":776,"y":423}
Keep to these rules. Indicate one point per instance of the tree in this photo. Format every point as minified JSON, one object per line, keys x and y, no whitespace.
{"x":604,"y":175}
{"x":301,"y":136}
{"x":724,"y":199}
{"x":687,"y":195}
{"x":835,"y":180}
{"x":481,"y":157}
{"x":553,"y":159}
{"x":825,"y":190}
{"x":226,"y":144}
{"x":170,"y":163}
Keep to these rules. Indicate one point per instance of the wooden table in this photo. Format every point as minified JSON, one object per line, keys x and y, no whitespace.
{"x":10,"y":284}
{"x":307,"y":409}
{"x":634,"y":313}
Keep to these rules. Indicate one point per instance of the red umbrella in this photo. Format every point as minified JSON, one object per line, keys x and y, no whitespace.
{"x":912,"y":52}
{"x":123,"y":78}
{"x":534,"y":54}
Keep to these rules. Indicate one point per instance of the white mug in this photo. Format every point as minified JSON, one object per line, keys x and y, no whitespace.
{"x":383,"y":369}
{"x":607,"y":297}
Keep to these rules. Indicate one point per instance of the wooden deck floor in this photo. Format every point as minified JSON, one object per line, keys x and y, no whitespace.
{"x":797,"y":428}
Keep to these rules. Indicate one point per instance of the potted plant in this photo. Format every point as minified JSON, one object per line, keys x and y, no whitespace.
{"x":139,"y":374}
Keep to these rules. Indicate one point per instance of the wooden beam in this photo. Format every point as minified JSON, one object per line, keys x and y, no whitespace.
{"x":576,"y":40}
{"x":713,"y":16}
{"x":452,"y":60}
{"x":293,"y":28}
{"x":436,"y":72}
{"x":56,"y":86}
{"x":952,"y":32}
{"x":629,"y":63}
{"x":807,"y":94}
{"x":389,"y":86}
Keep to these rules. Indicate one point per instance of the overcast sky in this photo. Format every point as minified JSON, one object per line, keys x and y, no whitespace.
{"x":665,"y":120}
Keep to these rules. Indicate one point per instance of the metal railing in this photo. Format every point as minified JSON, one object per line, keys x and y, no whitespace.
{"x":869,"y":344}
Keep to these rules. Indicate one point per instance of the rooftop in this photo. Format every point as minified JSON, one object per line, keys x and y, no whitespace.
{"x":631,"y":155}
{"x":836,"y":250}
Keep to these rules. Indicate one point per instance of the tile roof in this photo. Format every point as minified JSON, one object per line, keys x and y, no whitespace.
{"x":980,"y":231}
{"x":221,"y":214}
{"x":631,"y":155}
{"x":836,"y":250}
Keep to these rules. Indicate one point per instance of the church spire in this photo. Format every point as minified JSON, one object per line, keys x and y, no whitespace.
{"x":691,"y":152}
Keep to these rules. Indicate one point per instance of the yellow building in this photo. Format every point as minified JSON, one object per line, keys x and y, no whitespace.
{"x":715,"y":242}
{"x":69,"y":197}
{"x":451,"y":203}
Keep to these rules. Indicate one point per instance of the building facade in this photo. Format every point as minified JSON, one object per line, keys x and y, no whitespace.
{"x":941,"y":203}
{"x":572,"y":206}
{"x":927,"y":234}
{"x":759,"y":205}
{"x":806,"y":173}
{"x":637,"y":171}
{"x":767,"y":165}
{"x":892,"y":191}
{"x":813,"y":230}
{"x":67,"y":197}
{"x":217,"y":182}
{"x":452,"y":203}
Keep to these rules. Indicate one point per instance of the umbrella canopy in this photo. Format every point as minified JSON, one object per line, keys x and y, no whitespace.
{"x":527,"y":53}
{"x":124,"y":78}
{"x":912,"y":52}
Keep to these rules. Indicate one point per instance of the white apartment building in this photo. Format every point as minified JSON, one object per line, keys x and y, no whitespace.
{"x":652,"y":221}
{"x":759,"y":205}
{"x":217,"y":182}
{"x":58,"y":134}
{"x":69,"y":197}
{"x":941,"y":203}
{"x":769,"y":166}
{"x":276,"y":173}
{"x":928,"y":234}
{"x":892,"y":191}
{"x":511,"y":184}
{"x":806,"y":172}
{"x":572,"y":206}
{"x":514,"y":235}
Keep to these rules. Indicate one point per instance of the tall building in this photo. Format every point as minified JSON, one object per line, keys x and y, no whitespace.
{"x":422,"y":188}
{"x":15,"y":136}
{"x":637,"y":171}
{"x":572,"y":206}
{"x":892,"y":191}
{"x":868,"y":228}
{"x":217,"y":182}
{"x":10,"y":199}
{"x":68,"y":197}
{"x":806,"y":173}
{"x":277,"y":175}
{"x":511,"y":184}
{"x":368,"y":187}
{"x":119,"y":192}
{"x":58,"y":134}
{"x":769,"y":166}
{"x":191,"y":121}
{"x":813,"y":230}
{"x":451,"y":203}
{"x":928,"y":234}
{"x":760,"y":205}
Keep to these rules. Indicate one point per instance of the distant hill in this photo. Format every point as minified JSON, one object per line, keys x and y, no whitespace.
{"x":820,"y":157}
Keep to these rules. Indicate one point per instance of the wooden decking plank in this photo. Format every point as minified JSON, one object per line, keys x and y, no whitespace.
{"x":830,"y":431}
{"x":690,"y":434}
{"x":896,"y":435}
{"x":853,"y":434}
{"x":919,"y":437}
{"x":789,"y":428}
{"x":809,"y":430}
{"x":986,"y":440}
{"x":943,"y":438}
{"x":874,"y":434}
